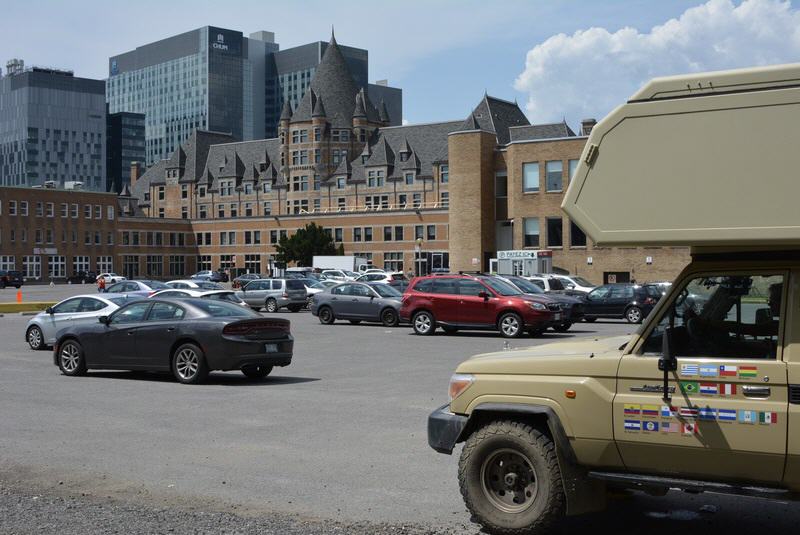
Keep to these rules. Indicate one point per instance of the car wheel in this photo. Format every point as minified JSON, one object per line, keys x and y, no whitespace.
{"x":2,"y":284}
{"x":389,"y":318}
{"x":589,"y":320}
{"x":509,"y":477}
{"x":256,"y":372}
{"x":70,"y":358}
{"x":326,"y":316}
{"x":17,"y":286}
{"x":189,"y":364}
{"x":510,"y":325}
{"x":564,"y":327}
{"x":634,"y":315}
{"x":271,"y":305}
{"x":450,"y":330}
{"x":35,"y":338}
{"x":424,"y":323}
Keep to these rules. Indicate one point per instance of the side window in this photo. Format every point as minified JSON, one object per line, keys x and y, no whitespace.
{"x":723,"y":316}
{"x":130,"y":314}
{"x":425,"y":286}
{"x":622,"y":292}
{"x":344,"y":289}
{"x":361,"y":291}
{"x":89,"y":304}
{"x":445,"y":286}
{"x":165,"y":311}
{"x":539,"y":283}
{"x":468,"y":287}
{"x":598,"y":294}
{"x":114,"y":288}
{"x":68,"y":307}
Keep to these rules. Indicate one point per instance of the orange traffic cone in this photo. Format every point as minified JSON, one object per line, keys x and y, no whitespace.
{"x":19,"y":296}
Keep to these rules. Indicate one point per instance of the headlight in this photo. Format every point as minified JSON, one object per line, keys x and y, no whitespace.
{"x":458,"y":383}
{"x":538,"y":306}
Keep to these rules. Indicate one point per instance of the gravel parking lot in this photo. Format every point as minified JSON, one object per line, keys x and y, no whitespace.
{"x":334,"y":443}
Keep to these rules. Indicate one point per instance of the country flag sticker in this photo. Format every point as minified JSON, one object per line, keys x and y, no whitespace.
{"x":690,"y":369}
{"x":667,"y":411}
{"x":650,"y":427}
{"x":689,"y":429}
{"x":707,"y":413}
{"x":748,"y":417}
{"x":688,"y":412}
{"x":728,"y":371}
{"x":767,"y":418}
{"x":650,"y":411}
{"x":709,"y":389}
{"x":727,"y":389}
{"x":631,"y":409}
{"x":670,"y":427}
{"x":726,"y":415}
{"x":748,"y":372}
{"x":690,"y":387}
{"x":708,"y":370}
{"x":633,"y":425}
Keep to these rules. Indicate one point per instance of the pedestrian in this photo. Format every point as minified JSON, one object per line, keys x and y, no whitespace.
{"x":101,"y":284}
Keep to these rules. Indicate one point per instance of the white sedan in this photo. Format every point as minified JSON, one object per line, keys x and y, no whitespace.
{"x":381,"y":276}
{"x":110,"y":278}
{"x":185,"y":284}
{"x":219,"y":295}
{"x":42,"y":328}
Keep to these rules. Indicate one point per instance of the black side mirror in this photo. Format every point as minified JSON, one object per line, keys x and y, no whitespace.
{"x":484,"y":295}
{"x":668,"y":362}
{"x":104,"y":320}
{"x":49,"y":310}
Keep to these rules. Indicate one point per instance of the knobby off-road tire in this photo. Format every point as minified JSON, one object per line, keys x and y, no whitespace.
{"x":510,"y":479}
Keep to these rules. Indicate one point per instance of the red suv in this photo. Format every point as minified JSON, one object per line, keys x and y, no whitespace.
{"x":475,"y":302}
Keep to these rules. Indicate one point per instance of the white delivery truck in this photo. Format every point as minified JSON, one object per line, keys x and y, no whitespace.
{"x":349,"y":263}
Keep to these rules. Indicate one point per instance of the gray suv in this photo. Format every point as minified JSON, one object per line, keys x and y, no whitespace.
{"x":274,"y":294}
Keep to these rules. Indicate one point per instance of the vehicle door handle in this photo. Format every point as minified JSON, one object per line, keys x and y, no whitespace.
{"x":170,"y":329}
{"x":354,"y":300}
{"x":130,"y":333}
{"x":756,"y":391}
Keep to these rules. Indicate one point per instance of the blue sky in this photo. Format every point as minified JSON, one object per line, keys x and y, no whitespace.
{"x":446,"y":53}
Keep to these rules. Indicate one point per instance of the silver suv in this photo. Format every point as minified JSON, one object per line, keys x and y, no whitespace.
{"x":274,"y":294}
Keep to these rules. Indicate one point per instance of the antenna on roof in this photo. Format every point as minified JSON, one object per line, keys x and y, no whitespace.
{"x":333,"y":37}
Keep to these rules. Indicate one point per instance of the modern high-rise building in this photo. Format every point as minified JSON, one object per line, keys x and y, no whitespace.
{"x":52,"y":128}
{"x":217,"y":79}
{"x":209,"y":78}
{"x":124,"y":145}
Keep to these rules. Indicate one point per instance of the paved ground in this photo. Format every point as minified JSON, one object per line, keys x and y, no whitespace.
{"x":335,"y":443}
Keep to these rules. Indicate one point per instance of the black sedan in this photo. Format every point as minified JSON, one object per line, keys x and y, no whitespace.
{"x":188,"y":337}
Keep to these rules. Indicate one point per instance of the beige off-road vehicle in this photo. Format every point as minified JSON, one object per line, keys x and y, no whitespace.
{"x":706,"y":395}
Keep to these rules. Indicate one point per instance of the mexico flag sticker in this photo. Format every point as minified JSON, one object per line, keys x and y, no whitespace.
{"x":767,"y":418}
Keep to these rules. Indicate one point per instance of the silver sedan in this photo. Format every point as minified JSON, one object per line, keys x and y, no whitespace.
{"x":357,"y":302}
{"x":42,"y":328}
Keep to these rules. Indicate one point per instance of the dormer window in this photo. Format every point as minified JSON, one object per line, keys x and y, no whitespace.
{"x":403,"y":156}
{"x":364,"y":158}
{"x":262,"y":166}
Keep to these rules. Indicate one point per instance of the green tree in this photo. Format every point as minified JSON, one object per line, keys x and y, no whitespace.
{"x":304,"y":244}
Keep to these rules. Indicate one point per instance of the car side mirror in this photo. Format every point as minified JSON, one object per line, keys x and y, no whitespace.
{"x":49,"y":310}
{"x":668,"y":361}
{"x":104,"y":320}
{"x":484,"y":295}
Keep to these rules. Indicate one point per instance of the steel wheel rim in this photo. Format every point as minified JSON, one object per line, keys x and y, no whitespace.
{"x":388,"y":317}
{"x":508,"y":481}
{"x":422,"y":323}
{"x":34,"y":337}
{"x":325,"y":314}
{"x":70,"y":357}
{"x":634,"y":315}
{"x":187,"y":363}
{"x":509,"y":325}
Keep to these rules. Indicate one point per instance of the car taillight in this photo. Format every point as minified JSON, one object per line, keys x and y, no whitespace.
{"x":251,"y":327}
{"x":649,"y":301}
{"x":285,"y":295}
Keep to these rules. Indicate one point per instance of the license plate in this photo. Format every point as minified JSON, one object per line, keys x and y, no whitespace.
{"x":271,"y":348}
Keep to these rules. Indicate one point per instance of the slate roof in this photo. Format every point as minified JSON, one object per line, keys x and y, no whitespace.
{"x":152,"y":177}
{"x":541,"y":131}
{"x":497,"y":116}
{"x":333,"y":82}
{"x":196,"y":149}
{"x":242,"y":160}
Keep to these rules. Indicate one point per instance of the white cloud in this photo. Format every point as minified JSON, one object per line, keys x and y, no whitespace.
{"x":588,"y":73}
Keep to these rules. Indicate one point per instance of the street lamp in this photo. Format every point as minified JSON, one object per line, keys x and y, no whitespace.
{"x":418,"y":254}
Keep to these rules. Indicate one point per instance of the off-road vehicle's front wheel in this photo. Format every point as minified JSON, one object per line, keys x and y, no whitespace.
{"x":510,"y":479}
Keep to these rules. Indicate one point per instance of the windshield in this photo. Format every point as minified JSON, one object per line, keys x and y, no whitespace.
{"x":501,"y":287}
{"x":319,"y":286}
{"x":384,"y":290}
{"x":582,"y":282}
{"x":221,"y":309}
{"x":526,"y":286}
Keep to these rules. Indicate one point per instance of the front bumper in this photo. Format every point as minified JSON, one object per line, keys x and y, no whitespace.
{"x":444,"y":429}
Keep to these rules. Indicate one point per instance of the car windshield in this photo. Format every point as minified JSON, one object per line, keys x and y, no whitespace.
{"x":581,"y":281}
{"x":155,"y":285}
{"x":350,"y":273}
{"x":384,"y":290}
{"x":221,"y":309}
{"x":501,"y":287}
{"x":526,"y":286}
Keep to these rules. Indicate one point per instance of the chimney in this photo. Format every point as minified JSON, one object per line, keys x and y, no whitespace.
{"x":136,"y":172}
{"x":587,"y":125}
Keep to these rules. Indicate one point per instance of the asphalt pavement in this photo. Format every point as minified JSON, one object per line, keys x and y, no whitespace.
{"x":334,"y":443}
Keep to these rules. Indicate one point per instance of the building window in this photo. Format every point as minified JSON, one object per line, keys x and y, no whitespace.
{"x":64,"y":210}
{"x":444,"y":199}
{"x":431,"y":232}
{"x":38,"y":235}
{"x":155,"y":265}
{"x":367,"y":233}
{"x":530,"y":177}
{"x":161,"y":213}
{"x":266,"y":186}
{"x":444,"y":173}
{"x":252,"y":262}
{"x":98,"y":212}
{"x":341,"y":203}
{"x":555,"y":236}
{"x":409,"y":178}
{"x":417,"y":200}
{"x":317,"y":134}
{"x":338,"y":235}
{"x":573,"y":165}
{"x":12,"y":207}
{"x":39,"y":209}
{"x":50,"y":209}
{"x":177,"y":265}
{"x":357,"y":234}
{"x":220,"y":210}
{"x":32,"y":267}
{"x":273,"y":236}
{"x":398,"y":233}
{"x":317,"y":183}
{"x":203,"y":210}
{"x":202,"y":191}
{"x":160,"y":193}
{"x":300,"y":183}
{"x":80,"y":263}
{"x":340,"y":183}
{"x":393,"y":261}
{"x":57,"y":267}
{"x":105,"y":264}
{"x":387,"y":233}
{"x":184,"y":212}
{"x":87,"y":211}
{"x":74,"y":211}
{"x":531,"y":228}
{"x":234,"y":210}
{"x":419,"y":232}
{"x":23,"y":208}
{"x":7,"y":263}
{"x":203,"y":262}
{"x":553,"y":180}
{"x":110,"y":213}
{"x":110,"y":238}
{"x":577,"y":238}
{"x":248,"y":209}
{"x":267,"y":206}
{"x":130,"y":266}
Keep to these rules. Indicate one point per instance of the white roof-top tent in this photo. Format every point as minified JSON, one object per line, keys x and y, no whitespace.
{"x":704,"y":159}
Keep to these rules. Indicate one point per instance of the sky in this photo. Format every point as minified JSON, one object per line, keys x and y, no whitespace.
{"x":560,"y":59}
